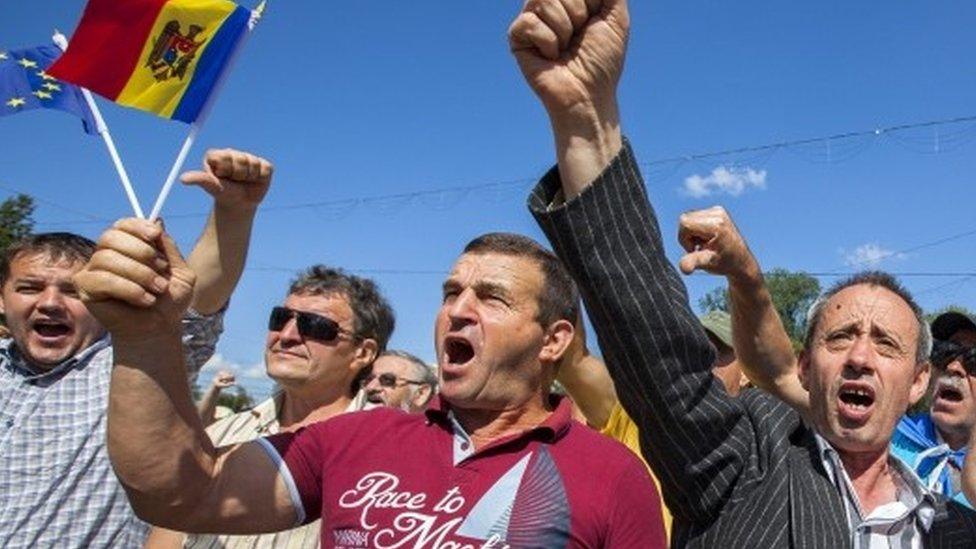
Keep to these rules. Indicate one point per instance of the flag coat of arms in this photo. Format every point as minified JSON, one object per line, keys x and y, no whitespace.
{"x":161,"y":56}
{"x":25,"y":84}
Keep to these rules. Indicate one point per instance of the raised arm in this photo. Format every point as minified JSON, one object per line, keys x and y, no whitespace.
{"x":587,"y":380}
{"x":138,"y":286}
{"x":238,"y":182}
{"x":762,"y":346}
{"x":695,"y":436}
{"x":207,"y":406}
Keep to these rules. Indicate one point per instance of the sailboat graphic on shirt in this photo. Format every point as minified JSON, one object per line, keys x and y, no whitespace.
{"x":526,"y":507}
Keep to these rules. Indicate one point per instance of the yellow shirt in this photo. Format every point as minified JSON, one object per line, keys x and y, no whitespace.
{"x":623,"y":429}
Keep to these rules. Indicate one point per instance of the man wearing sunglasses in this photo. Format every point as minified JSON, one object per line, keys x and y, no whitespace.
{"x":319,"y":345}
{"x":400,"y":380}
{"x":495,"y":461}
{"x":935,"y":444}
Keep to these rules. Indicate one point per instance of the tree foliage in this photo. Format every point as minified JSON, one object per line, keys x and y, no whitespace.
{"x":793,"y":293}
{"x":16,"y":219}
{"x":236,"y":399}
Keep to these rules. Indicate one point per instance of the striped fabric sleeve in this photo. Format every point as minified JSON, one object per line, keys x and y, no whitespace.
{"x":694,"y":436}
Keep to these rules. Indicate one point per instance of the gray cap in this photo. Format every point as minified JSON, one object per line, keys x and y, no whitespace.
{"x":719,"y":324}
{"x":951,"y":322}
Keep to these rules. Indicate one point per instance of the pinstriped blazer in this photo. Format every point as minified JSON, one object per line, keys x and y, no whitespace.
{"x":735,"y":472}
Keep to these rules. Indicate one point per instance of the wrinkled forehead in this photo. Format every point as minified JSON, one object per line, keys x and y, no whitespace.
{"x":870,"y":306}
{"x":510,"y":271}
{"x":43,"y":265}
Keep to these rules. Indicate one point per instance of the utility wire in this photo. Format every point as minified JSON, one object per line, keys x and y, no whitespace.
{"x":766,"y":150}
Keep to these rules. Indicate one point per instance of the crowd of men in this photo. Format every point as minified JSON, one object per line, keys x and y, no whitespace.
{"x":730,"y":439}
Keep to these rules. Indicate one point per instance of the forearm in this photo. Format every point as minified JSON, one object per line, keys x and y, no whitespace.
{"x":156,"y":440}
{"x":590,"y":386}
{"x":762,"y":346}
{"x":207,"y":406}
{"x":587,"y":138}
{"x":658,"y":354}
{"x":219,"y":256}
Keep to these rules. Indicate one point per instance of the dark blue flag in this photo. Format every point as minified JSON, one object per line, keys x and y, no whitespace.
{"x":24,"y":85}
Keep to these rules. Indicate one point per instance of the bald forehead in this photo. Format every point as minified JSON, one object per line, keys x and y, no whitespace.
{"x":875,"y":306}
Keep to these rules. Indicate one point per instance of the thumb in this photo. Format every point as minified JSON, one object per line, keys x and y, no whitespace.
{"x":172,"y":253}
{"x":697,"y":260}
{"x":204,"y":179}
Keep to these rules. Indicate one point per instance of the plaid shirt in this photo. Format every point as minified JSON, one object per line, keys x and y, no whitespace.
{"x":57,"y":487}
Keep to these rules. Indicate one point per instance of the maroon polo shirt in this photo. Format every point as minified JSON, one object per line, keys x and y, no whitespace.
{"x":388,"y":479}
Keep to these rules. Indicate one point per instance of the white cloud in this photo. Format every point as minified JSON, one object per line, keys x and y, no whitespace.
{"x":732,"y":181}
{"x":869,"y":255}
{"x":220,"y":362}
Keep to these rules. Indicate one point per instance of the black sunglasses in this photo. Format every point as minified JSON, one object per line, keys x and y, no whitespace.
{"x":310,"y":325}
{"x":944,"y":352}
{"x":389,"y":380}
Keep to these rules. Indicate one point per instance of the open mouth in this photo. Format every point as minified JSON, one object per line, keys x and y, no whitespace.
{"x":948,"y":393}
{"x":856,"y":401}
{"x":374,"y":398}
{"x":459,"y":351}
{"x":51,"y":328}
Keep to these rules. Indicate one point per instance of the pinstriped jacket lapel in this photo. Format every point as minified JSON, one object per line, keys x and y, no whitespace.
{"x":817,"y":515}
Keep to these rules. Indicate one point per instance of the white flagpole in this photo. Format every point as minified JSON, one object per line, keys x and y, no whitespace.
{"x":204,"y":112}
{"x":62,"y":42}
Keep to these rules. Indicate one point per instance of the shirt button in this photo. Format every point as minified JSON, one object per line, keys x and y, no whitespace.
{"x":464,"y":446}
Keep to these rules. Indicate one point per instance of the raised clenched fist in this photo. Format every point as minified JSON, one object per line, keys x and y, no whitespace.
{"x":571,"y":52}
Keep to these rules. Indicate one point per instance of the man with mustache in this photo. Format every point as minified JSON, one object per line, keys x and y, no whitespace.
{"x":400,"y":380}
{"x":935,"y":444}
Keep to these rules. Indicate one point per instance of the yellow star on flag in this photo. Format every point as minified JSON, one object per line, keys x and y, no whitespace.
{"x":45,"y":75}
{"x":52,"y":87}
{"x":16,"y":102}
{"x":42,"y":94}
{"x":27,"y":63}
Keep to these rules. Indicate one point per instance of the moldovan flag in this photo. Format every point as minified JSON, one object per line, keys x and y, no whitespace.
{"x":161,"y":56}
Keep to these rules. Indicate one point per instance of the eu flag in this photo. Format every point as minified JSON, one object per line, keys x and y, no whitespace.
{"x":24,"y":85}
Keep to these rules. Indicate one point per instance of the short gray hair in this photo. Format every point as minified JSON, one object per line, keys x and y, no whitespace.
{"x":874,"y":279}
{"x":424,"y":373}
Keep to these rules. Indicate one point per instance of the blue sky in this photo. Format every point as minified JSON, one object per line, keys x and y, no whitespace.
{"x":372,"y":99}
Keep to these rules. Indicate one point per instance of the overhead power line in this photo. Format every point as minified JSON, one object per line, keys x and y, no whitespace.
{"x":447,"y":197}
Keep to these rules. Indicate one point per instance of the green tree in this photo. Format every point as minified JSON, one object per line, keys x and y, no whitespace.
{"x":16,"y":219}
{"x":237,"y":399}
{"x":792,"y":292}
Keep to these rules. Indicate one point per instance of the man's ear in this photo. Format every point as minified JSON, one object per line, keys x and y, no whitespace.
{"x":422,"y":396}
{"x":803,"y":369}
{"x":366,"y":352}
{"x":557,"y":339}
{"x":920,"y":385}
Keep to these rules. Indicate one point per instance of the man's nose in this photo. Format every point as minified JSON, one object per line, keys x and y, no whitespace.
{"x":859,"y":358}
{"x":289,"y":332}
{"x":51,"y":299}
{"x":462,"y":310}
{"x":955,"y":367}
